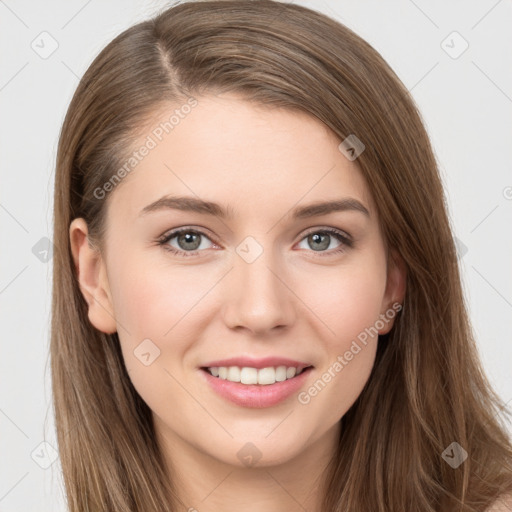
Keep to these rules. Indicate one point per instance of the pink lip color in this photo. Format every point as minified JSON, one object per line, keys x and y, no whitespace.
{"x":256,"y":395}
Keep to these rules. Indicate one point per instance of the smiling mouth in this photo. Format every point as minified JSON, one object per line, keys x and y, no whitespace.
{"x":254,"y":376}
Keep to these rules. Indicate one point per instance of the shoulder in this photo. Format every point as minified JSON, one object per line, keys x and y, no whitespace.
{"x":503,"y":504}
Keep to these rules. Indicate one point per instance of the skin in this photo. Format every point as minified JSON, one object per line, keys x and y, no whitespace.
{"x":292,"y":301}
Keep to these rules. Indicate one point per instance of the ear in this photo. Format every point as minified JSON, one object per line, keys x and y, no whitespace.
{"x":92,"y":278}
{"x":395,"y":290}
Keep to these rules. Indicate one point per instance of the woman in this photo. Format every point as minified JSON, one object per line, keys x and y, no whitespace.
{"x":257,"y":301}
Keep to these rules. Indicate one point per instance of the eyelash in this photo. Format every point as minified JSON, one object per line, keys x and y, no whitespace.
{"x":339,"y":235}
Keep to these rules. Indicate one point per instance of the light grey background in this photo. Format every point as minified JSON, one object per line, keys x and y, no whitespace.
{"x":466,"y":105}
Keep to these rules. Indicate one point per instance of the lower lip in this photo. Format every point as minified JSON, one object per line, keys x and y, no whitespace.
{"x":256,"y":395}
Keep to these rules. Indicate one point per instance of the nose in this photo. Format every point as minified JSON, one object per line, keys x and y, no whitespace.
{"x":257,"y":297}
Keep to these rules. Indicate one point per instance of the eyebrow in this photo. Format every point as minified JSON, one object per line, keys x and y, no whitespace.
{"x":196,"y":205}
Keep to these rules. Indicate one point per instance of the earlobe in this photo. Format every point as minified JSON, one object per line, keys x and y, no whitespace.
{"x":92,"y":278}
{"x":395,"y":290}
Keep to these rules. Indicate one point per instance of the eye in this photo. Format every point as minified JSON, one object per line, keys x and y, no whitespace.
{"x":189,"y":241}
{"x":319,"y":240}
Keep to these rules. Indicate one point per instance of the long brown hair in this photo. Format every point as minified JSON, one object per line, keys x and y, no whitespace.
{"x":427,"y":389}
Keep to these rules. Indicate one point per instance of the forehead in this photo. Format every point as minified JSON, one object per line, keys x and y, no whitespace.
{"x":251,"y":159}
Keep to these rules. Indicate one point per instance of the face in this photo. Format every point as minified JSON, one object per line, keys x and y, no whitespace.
{"x":272,"y":278}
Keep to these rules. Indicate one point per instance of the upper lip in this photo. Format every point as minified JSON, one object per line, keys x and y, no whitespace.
{"x":257,"y":363}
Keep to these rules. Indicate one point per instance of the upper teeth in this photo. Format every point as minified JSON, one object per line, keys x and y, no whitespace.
{"x":247,"y":375}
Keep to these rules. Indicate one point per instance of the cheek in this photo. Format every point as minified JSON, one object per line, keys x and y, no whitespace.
{"x":339,"y":383}
{"x":150,"y":300}
{"x":348,"y":307}
{"x":346,"y":300}
{"x":159,"y":304}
